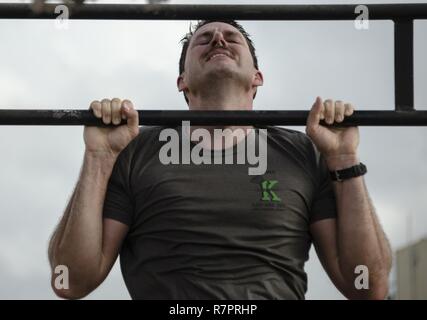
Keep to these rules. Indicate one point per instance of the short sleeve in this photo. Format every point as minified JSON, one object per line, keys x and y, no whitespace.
{"x":118,"y":200}
{"x":324,"y":201}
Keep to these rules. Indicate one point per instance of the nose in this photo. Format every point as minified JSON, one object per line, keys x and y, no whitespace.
{"x":218,"y":39}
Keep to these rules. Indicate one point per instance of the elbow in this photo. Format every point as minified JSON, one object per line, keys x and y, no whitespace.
{"x":378,"y":290}
{"x":69,"y":294}
{"x":379,"y":286}
{"x":67,"y":283}
{"x":70,"y":291}
{"x":371,"y":284}
{"x":372,"y":294}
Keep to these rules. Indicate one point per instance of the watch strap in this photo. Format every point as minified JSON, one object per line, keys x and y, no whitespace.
{"x":348,"y":173}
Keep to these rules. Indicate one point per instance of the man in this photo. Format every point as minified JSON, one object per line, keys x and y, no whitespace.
{"x":213,"y":232}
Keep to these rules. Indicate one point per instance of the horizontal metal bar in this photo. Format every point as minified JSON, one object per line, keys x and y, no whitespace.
{"x":196,"y":11}
{"x":175,"y":117}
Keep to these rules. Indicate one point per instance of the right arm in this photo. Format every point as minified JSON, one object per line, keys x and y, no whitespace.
{"x":83,"y":241}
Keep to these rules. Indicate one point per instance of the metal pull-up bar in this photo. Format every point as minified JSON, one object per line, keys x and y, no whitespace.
{"x":175,"y":117}
{"x":401,"y":14}
{"x":203,"y":11}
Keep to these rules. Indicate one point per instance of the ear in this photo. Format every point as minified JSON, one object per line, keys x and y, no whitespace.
{"x":180,"y":82}
{"x":258,"y":79}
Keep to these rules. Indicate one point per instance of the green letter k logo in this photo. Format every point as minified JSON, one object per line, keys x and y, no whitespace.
{"x":267,"y":193}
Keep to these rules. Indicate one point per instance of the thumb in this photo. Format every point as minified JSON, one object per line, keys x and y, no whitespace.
{"x":313,"y":119}
{"x":131,"y":114}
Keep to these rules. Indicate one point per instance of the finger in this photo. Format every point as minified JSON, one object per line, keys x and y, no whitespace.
{"x":115,"y":111}
{"x":123,"y":109}
{"x":349,"y":109}
{"x":106,"y":111}
{"x":339,"y":111}
{"x":123,"y":113}
{"x":131,"y":114}
{"x":329,"y":111}
{"x":314,"y":116}
{"x":96,"y":108}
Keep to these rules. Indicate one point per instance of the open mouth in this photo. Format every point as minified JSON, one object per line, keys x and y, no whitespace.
{"x":218,"y":55}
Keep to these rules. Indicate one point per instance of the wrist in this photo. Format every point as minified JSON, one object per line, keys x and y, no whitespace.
{"x":340,"y":162}
{"x":95,"y":173}
{"x":100,"y":155}
{"x":102,"y":162}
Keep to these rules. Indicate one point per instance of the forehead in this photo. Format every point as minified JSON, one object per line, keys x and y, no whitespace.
{"x":220,"y":26}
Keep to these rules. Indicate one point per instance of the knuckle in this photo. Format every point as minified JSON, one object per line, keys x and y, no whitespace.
{"x":106,"y":114}
{"x":128,"y":102}
{"x":116,"y":111}
{"x":348,"y":108}
{"x":94,"y":104}
{"x":106,"y":109}
{"x":339,"y":112}
{"x":339,"y":106}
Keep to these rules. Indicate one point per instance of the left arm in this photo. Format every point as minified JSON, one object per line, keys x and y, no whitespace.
{"x":355,"y":237}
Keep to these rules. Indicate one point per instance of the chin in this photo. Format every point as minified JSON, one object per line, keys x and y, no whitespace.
{"x":222,"y":72}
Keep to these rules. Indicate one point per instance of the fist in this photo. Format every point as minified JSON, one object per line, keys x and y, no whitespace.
{"x":112,"y":140}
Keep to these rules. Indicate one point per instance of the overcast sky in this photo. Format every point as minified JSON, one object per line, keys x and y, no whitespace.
{"x":42,"y":67}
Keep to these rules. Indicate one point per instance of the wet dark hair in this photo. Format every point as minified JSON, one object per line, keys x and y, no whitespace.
{"x":185,"y":41}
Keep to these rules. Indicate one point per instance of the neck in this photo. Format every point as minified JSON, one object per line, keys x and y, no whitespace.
{"x":221,"y":95}
{"x":227,"y":100}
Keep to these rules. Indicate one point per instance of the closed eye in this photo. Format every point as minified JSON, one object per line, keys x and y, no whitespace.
{"x":204,"y":38}
{"x":202,"y":41}
{"x":233,"y":37}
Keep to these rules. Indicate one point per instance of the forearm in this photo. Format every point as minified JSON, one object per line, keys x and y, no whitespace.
{"x":383,"y":241}
{"x":77,"y":242}
{"x":58,"y":232}
{"x":361,"y":240}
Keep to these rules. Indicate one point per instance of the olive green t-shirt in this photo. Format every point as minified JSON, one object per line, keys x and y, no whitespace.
{"x":214,"y":231}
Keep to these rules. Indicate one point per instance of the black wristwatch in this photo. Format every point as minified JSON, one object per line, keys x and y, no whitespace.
{"x":355,"y":171}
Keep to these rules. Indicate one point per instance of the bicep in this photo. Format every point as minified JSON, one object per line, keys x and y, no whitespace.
{"x":324,"y":233}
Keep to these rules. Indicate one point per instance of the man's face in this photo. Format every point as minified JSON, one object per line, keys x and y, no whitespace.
{"x":218,"y":50}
